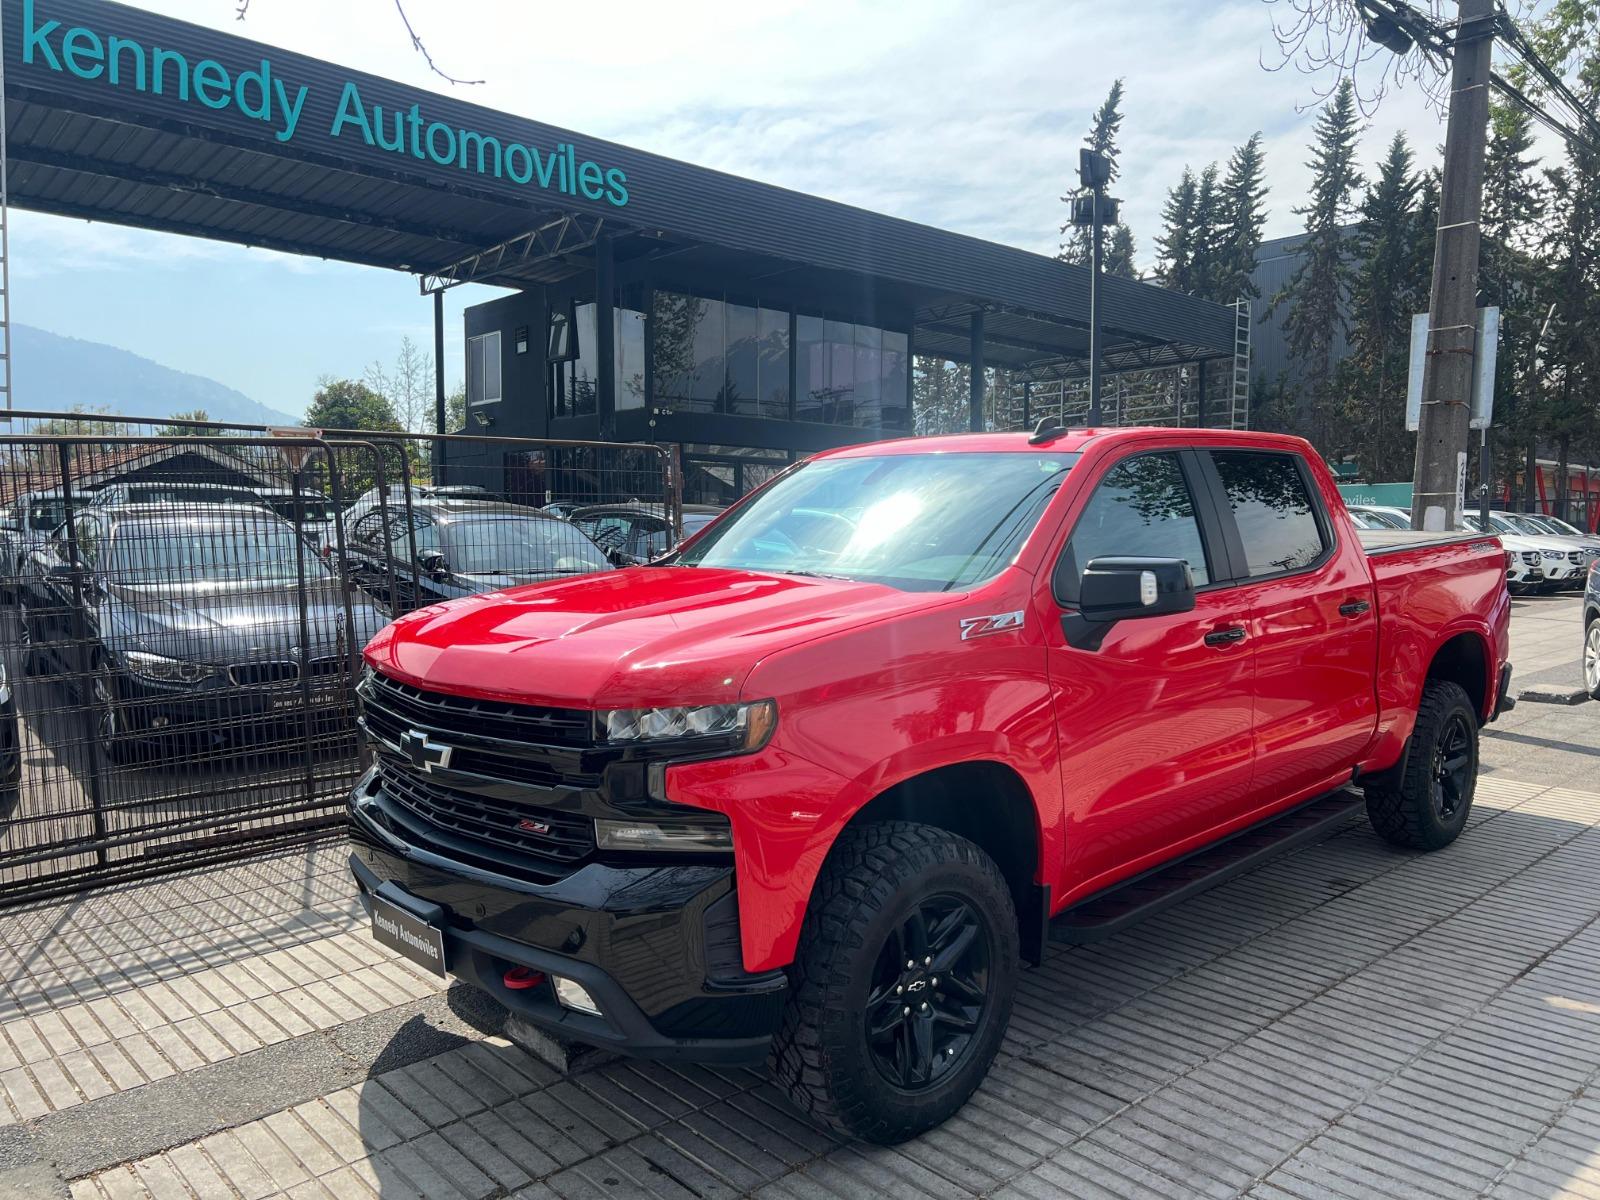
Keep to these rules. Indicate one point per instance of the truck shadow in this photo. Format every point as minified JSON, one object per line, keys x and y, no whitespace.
{"x":1323,"y":987}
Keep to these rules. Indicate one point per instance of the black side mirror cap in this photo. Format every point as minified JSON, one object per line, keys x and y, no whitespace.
{"x":1121,"y":589}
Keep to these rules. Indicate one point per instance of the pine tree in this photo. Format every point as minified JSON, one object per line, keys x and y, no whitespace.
{"x":1102,"y":137}
{"x":1175,"y":242}
{"x":1244,"y":216}
{"x":1316,"y":293}
{"x":1385,"y":290}
{"x":1118,"y":254}
{"x":1208,"y":227}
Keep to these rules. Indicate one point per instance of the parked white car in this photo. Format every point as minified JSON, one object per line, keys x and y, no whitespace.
{"x":1562,"y":565}
{"x":1582,"y":548}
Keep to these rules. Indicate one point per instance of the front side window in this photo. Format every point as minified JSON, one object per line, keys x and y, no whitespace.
{"x":1273,"y":508}
{"x":918,"y":522}
{"x":1141,"y":509}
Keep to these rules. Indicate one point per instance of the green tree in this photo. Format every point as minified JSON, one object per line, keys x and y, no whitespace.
{"x":1316,"y":295}
{"x":351,"y":404}
{"x":1208,"y":228}
{"x":1243,"y":217}
{"x":1102,"y":137}
{"x":1570,"y":249}
{"x":1118,"y":254}
{"x":1385,"y":289}
{"x":181,"y":424}
{"x":1175,"y":242}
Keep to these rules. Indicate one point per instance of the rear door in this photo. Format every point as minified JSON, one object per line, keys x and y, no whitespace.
{"x":1313,"y":620}
{"x":1155,"y":719}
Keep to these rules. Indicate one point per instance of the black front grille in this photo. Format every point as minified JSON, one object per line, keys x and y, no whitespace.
{"x":521,"y":723}
{"x":549,"y":834}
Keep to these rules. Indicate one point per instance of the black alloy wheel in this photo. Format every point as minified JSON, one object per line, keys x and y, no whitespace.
{"x":1452,"y":765}
{"x":929,"y":993}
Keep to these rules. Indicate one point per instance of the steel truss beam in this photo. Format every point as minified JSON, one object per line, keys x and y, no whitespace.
{"x":565,"y":235}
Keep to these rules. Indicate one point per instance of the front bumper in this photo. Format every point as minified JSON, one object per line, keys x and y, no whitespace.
{"x":657,"y":946}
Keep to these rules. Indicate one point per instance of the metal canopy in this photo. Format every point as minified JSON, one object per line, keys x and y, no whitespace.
{"x":87,"y":147}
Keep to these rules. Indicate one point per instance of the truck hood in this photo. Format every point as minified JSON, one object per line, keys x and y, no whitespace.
{"x":627,"y":639}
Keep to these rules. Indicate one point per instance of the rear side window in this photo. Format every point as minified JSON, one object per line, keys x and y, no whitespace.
{"x":1273,"y":509}
{"x":1142,"y":508}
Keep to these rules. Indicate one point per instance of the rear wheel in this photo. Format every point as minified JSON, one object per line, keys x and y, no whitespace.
{"x":902,"y":984}
{"x":1424,"y":806}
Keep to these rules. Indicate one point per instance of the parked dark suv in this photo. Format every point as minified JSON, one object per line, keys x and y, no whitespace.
{"x":455,"y":547}
{"x":183,"y":621}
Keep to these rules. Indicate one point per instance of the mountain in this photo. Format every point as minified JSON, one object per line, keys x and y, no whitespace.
{"x":59,"y":373}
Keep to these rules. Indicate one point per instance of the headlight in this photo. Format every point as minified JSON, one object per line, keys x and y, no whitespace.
{"x":708,"y":833}
{"x":159,"y":669}
{"x":746,"y":726}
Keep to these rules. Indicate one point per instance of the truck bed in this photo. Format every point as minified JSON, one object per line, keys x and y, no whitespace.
{"x":1391,"y":541}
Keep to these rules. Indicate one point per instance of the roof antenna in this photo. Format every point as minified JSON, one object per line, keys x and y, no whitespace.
{"x":1046,"y":431}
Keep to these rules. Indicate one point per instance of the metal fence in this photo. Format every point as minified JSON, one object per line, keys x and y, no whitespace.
{"x":181,"y":617}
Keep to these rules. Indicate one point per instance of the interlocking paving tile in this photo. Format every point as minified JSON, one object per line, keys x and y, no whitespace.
{"x":1346,"y":1022}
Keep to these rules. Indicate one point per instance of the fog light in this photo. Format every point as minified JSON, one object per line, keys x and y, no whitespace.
{"x":575,"y":996}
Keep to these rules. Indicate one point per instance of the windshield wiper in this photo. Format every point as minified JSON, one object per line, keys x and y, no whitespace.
{"x":812,"y":574}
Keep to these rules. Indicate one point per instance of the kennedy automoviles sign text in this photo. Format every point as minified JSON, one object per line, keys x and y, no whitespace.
{"x":259,"y":94}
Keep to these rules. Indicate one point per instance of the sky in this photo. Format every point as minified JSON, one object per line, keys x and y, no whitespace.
{"x":964,"y":114}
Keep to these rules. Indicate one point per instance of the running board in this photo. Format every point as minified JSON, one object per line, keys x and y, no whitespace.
{"x":1121,"y":905}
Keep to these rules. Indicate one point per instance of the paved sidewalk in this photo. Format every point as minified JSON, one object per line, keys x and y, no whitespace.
{"x":1546,"y":642}
{"x":1345,"y":1022}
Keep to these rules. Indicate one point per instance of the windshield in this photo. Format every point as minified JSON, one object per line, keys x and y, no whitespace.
{"x":314,"y":508}
{"x":920,"y":522}
{"x":1525,"y":525}
{"x":518,"y":546}
{"x":1365,"y":520}
{"x":1496,"y":525}
{"x":46,"y":514}
{"x":178,"y":553}
{"x":1562,"y":527}
{"x":177,"y":493}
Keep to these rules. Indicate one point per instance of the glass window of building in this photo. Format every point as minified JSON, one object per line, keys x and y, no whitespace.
{"x":629,"y":359}
{"x":574,"y":382}
{"x":483,"y":368}
{"x":743,"y":392}
{"x":772,"y":332}
{"x":896,"y":380}
{"x":708,"y":383}
{"x":868,"y":412}
{"x":811,"y":368}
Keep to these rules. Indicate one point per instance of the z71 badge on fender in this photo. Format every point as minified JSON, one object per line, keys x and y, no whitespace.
{"x":972,"y":627}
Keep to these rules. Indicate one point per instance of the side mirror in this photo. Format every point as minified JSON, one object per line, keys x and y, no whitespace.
{"x":433,"y":566}
{"x":1118,"y":589}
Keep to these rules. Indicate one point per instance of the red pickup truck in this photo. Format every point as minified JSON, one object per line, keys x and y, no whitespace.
{"x":813,"y":787}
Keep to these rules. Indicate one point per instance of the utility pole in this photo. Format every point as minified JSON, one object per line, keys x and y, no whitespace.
{"x":1437,"y":496}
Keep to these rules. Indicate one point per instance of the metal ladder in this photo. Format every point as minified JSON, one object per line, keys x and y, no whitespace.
{"x":1239,"y":400}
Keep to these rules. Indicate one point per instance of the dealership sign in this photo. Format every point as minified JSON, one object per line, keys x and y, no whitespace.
{"x":259,"y":93}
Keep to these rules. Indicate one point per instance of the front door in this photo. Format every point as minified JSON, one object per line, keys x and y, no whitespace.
{"x":1155,"y":721}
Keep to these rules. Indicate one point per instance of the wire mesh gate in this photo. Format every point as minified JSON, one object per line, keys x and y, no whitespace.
{"x":181,"y":618}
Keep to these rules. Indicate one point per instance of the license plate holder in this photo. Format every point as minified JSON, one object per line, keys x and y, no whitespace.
{"x":409,"y":935}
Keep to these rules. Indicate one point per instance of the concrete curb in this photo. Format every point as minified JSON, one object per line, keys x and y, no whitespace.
{"x":1553,"y":695}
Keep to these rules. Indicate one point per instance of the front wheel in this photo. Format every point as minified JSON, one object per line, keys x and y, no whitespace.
{"x":1424,"y":805}
{"x":1591,"y":658}
{"x":902,"y":985}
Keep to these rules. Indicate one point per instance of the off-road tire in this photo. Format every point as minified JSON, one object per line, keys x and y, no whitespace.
{"x":1404,"y":806}
{"x":874,"y":877}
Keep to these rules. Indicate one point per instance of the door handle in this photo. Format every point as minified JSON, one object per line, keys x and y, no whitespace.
{"x":1225,"y":637}
{"x":1354,"y":608}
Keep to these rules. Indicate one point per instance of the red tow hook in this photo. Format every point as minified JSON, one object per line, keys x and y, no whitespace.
{"x":521,"y":978}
